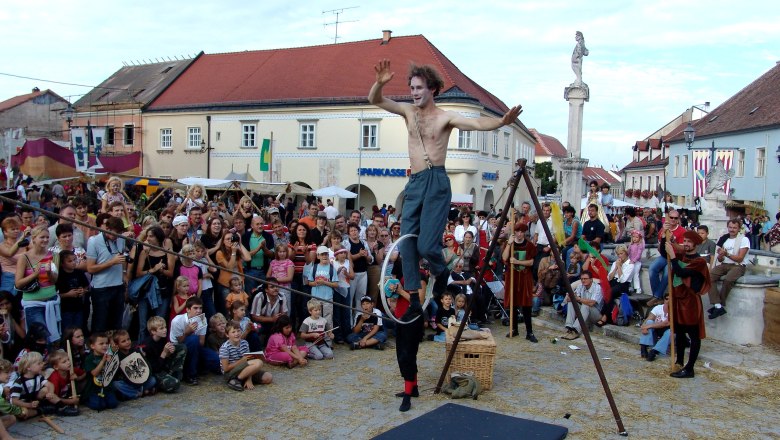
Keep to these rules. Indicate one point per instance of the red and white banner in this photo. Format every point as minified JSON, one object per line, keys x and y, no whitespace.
{"x":701,"y":166}
{"x":727,"y":157}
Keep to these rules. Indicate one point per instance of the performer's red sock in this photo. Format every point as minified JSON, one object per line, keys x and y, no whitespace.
{"x":408,"y":386}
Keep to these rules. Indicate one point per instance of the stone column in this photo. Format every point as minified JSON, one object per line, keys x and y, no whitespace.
{"x":577,"y":94}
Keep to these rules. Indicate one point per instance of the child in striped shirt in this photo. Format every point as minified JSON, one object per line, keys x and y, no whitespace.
{"x":240,"y":371}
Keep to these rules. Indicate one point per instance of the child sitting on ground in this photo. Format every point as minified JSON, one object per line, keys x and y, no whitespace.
{"x":248,"y":330}
{"x":76,"y":337}
{"x":181,"y":289}
{"x":165,"y":359}
{"x":217,"y":334}
{"x":8,"y":411}
{"x":240,"y":371}
{"x":317,"y":332}
{"x":31,"y":389}
{"x":281,"y":348}
{"x":443,"y":316}
{"x":368,"y":330}
{"x":60,"y":381}
{"x":126,"y":386}
{"x":460,"y":312}
{"x":236,"y":293}
{"x":98,"y":394}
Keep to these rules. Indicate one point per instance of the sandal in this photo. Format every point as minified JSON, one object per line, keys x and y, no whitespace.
{"x":601,"y":323}
{"x":235,"y":385}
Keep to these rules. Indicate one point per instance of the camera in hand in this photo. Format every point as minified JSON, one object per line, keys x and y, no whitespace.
{"x":128,"y":258}
{"x":235,"y":238}
{"x":24,"y":242}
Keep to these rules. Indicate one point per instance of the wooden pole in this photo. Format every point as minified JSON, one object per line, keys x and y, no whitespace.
{"x":52,"y":425}
{"x":73,"y":393}
{"x":671,"y":303}
{"x":510,"y":272}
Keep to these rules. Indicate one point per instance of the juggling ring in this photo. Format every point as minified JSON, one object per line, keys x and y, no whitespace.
{"x":384,"y":278}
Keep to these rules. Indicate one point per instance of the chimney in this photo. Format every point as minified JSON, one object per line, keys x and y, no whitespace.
{"x":386,"y":35}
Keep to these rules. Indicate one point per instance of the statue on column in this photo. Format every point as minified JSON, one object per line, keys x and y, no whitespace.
{"x":576,"y":58}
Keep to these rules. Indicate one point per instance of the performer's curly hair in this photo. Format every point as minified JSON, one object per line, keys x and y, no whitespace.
{"x":429,"y":74}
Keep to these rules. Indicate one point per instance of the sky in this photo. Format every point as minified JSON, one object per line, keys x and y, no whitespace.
{"x":649,"y":60}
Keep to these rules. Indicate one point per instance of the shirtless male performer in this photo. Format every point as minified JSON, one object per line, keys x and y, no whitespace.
{"x":427,"y":195}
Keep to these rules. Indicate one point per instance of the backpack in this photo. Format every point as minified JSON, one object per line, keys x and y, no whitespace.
{"x":621,"y":313}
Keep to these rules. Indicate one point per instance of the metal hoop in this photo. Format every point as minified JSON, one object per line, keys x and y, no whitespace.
{"x":384,"y":278}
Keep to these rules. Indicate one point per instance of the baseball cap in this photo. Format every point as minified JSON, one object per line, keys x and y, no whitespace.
{"x":273,"y":210}
{"x":323,"y":250}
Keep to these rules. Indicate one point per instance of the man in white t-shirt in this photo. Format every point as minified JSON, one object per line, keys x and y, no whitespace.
{"x":732,"y":252}
{"x":657,"y":321}
{"x":193,"y":336}
{"x":331,"y":211}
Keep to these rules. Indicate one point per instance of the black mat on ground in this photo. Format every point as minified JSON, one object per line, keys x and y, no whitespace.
{"x":454,"y":422}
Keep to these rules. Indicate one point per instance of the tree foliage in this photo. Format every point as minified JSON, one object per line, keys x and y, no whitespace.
{"x":544,"y":172}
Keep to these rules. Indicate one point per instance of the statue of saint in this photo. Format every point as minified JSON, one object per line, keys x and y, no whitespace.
{"x":576,"y":57}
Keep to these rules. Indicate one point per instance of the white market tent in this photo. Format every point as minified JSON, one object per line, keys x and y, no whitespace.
{"x":462,"y":199}
{"x":616,"y":203}
{"x":260,"y":187}
{"x":334,"y":191}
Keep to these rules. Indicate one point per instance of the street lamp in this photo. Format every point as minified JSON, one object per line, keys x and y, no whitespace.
{"x":690,"y":134}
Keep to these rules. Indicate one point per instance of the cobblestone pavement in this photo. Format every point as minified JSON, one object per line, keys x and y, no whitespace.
{"x":351,"y":397}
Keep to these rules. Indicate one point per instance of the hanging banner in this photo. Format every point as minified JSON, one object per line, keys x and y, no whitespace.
{"x":265,"y":155}
{"x":701,"y":166}
{"x":80,"y":147}
{"x":727,"y":157}
{"x":99,"y":141}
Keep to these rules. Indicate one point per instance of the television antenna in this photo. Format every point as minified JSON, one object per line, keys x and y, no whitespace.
{"x":338,"y":12}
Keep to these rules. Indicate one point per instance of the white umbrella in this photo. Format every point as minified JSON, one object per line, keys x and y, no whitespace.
{"x":617,"y":203}
{"x":334,"y":191}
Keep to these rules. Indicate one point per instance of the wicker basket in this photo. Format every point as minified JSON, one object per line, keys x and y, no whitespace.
{"x":474,"y":357}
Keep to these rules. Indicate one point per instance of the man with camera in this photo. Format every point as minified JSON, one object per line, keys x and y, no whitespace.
{"x":106,"y":259}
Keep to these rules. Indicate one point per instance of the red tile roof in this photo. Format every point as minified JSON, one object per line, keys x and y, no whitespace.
{"x":330,"y":73}
{"x":754,"y":107}
{"x":547,"y":145}
{"x":600,"y":175}
{"x":21,"y":99}
{"x":657,"y":162}
{"x":641,"y":146}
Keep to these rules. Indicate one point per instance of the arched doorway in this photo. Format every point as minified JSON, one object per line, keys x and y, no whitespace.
{"x":366,"y":197}
{"x":488,"y":200}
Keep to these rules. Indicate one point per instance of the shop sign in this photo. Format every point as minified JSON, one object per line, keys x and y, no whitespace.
{"x":384,"y":172}
{"x":490,"y":176}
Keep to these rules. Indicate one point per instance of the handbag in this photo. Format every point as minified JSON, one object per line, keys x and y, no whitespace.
{"x":33,"y":285}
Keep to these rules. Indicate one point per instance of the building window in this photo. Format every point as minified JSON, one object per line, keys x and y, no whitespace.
{"x":166,"y":138}
{"x":760,"y":161}
{"x":484,"y":142}
{"x":129,"y":135}
{"x":248,"y":135}
{"x":676,"y":166}
{"x":464,"y":139}
{"x":740,"y":164}
{"x":640,"y":182}
{"x":684,"y":170}
{"x":110,"y":135}
{"x":633,"y":182}
{"x":657,"y":181}
{"x":495,"y":143}
{"x":506,"y":145}
{"x":369,"y":136}
{"x":307,"y":129}
{"x":194,"y":137}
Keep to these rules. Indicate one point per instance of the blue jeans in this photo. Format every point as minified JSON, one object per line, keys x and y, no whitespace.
{"x":662,"y":346}
{"x":144,"y":312}
{"x":108,"y":401}
{"x":658,"y":277}
{"x":130,"y":391}
{"x":108,"y":304}
{"x":427,"y":198}
{"x":207,"y":296}
{"x":7,"y":281}
{"x":342,"y":316}
{"x":380,"y":336}
{"x":199,"y":356}
{"x":250,"y":284}
{"x":71,"y":319}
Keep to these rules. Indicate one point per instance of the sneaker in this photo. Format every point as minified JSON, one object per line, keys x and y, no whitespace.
{"x":380,"y":346}
{"x":354,"y":346}
{"x":719,"y":311}
{"x":68,"y":411}
{"x":191,"y":381}
{"x":571,"y":335}
{"x":531,"y":337}
{"x":651,"y":355}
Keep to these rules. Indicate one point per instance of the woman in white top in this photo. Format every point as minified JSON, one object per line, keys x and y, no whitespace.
{"x":466,"y":225}
{"x":620,"y":277}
